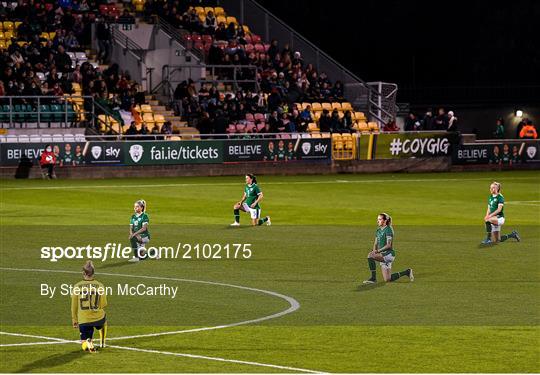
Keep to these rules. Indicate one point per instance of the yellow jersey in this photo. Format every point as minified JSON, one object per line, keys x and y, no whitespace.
{"x":88,"y":299}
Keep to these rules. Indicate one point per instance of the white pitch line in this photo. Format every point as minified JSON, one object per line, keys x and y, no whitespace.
{"x":288,"y":368}
{"x":75,"y":187}
{"x":35,"y":343}
{"x":293,"y":304}
{"x":55,"y":340}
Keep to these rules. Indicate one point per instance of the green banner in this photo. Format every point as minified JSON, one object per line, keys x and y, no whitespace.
{"x":407,"y":145}
{"x":173,"y":152}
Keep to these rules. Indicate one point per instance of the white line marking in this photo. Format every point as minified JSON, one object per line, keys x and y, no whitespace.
{"x":293,"y":304}
{"x":55,"y":340}
{"x":35,"y":343}
{"x":75,"y":187}
{"x":219,"y":359}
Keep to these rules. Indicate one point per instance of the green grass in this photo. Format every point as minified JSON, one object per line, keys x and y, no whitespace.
{"x":470,"y":309}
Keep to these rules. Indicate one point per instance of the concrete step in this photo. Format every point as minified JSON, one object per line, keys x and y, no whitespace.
{"x":154,"y":102}
{"x":157,"y":107}
{"x":149,"y":97}
{"x":188,"y":130}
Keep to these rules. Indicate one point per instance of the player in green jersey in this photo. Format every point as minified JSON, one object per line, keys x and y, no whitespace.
{"x":138,"y":231}
{"x":494,"y":218}
{"x":250,"y":203}
{"x":88,"y":299}
{"x":384,"y":252}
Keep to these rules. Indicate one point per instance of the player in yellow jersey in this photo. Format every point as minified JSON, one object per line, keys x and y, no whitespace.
{"x":88,"y":300}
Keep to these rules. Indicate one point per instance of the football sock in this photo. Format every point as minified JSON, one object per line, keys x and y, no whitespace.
{"x":488,"y":230}
{"x":102,"y":335}
{"x":134,"y":246}
{"x":237,"y":216}
{"x":372,"y":268}
{"x":262,"y":221}
{"x":504,"y":237}
{"x":397,"y":275}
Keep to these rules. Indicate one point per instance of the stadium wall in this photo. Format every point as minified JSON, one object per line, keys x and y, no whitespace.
{"x":436,"y":164}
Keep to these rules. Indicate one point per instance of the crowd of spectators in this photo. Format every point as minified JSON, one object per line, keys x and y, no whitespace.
{"x":428,"y":121}
{"x":33,"y":65}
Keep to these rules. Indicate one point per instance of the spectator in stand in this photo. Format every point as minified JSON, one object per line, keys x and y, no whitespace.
{"x":132,"y":131}
{"x":427,"y":121}
{"x":347,"y":122}
{"x":231,"y":31}
{"x":63,"y":61}
{"x":166,"y":129}
{"x":441,"y":121}
{"x":273,"y":50}
{"x":325,"y":123}
{"x":452,"y":122}
{"x":412,"y":123}
{"x":275,"y":122}
{"x":528,"y":131}
{"x":126,"y":18}
{"x":499,"y":129}
{"x":210,"y":23}
{"x":103,"y":36}
{"x":391,"y":126}
{"x":335,"y":122}
{"x":221,"y":32}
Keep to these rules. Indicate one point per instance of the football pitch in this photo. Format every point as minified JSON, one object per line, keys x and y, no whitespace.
{"x":294,"y":301}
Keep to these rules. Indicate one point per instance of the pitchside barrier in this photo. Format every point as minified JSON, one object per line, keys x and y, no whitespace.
{"x":498,"y":152}
{"x":147,"y":152}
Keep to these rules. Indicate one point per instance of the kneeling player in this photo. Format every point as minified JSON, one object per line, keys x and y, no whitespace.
{"x":494,"y":218}
{"x":250,"y":203}
{"x":87,"y":304}
{"x":383,"y":252}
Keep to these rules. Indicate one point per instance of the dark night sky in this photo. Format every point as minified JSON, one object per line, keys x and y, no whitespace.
{"x":424,"y":43}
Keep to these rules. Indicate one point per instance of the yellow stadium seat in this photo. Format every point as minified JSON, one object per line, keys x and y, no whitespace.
{"x":202,"y":18}
{"x":363,"y":126}
{"x":316,"y":106}
{"x":1,"y":26}
{"x":145,"y":108}
{"x":325,"y":135}
{"x":2,"y":35}
{"x":148,"y":118}
{"x":17,"y":24}
{"x":346,"y":106}
{"x":373,"y":126}
{"x":305,"y":105}
{"x":327,"y":106}
{"x":316,"y":135}
{"x":2,"y":44}
{"x":231,"y":20}
{"x":159,"y":119}
{"x":208,"y":9}
{"x":219,"y":11}
{"x":337,"y":106}
{"x":312,"y":127}
{"x":175,"y":138}
{"x":200,"y":10}
{"x":221,"y":19}
{"x":8,"y":26}
{"x":52,"y":34}
{"x":317,"y":115}
{"x":246,"y":29}
{"x":360,"y":116}
{"x":44,"y":36}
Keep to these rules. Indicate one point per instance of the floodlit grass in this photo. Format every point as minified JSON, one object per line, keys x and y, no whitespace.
{"x":470,"y":309}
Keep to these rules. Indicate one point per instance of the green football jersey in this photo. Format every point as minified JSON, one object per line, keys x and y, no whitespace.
{"x":270,"y":155}
{"x":290,"y":155}
{"x":281,"y":154}
{"x":137,"y":222}
{"x":382,"y":234}
{"x":506,"y":157}
{"x":252,"y":192}
{"x":493,"y":204}
{"x":79,"y":159}
{"x":68,"y":158}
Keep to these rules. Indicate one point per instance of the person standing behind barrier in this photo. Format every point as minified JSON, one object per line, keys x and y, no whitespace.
{"x":528,"y":131}
{"x":103,"y":36}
